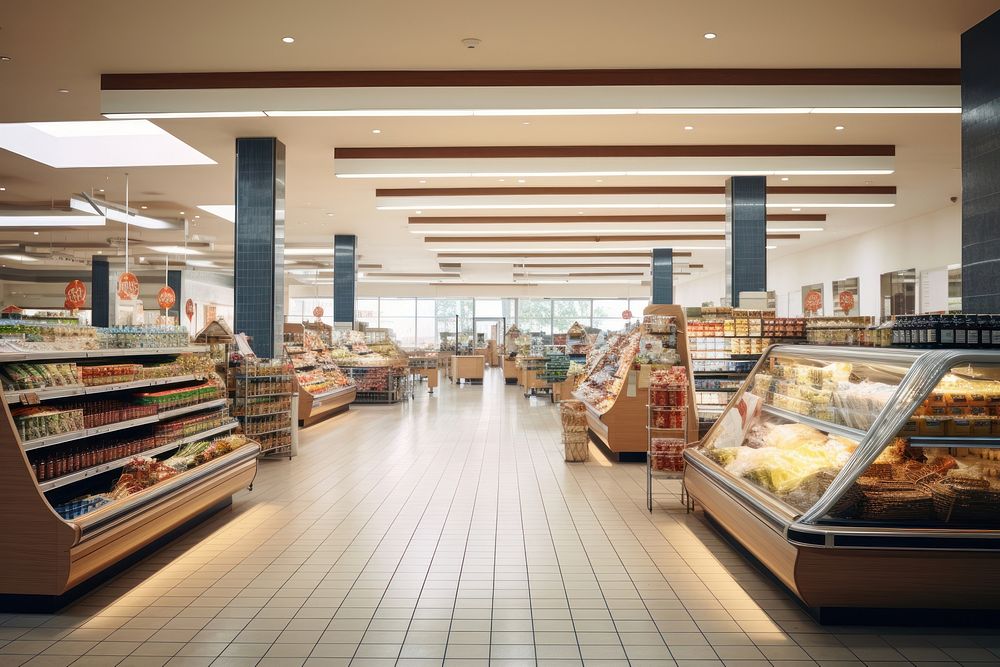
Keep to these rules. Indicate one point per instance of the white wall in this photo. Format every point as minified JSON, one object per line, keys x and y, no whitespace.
{"x":929,"y":241}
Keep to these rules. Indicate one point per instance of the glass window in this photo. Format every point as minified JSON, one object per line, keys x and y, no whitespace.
{"x":533,"y":309}
{"x":366,"y":310}
{"x":489,"y":308}
{"x":403,"y":329}
{"x":426,"y":307}
{"x":574,"y":309}
{"x":426,"y":333}
{"x":609,"y":323}
{"x":562,"y":324}
{"x":397,"y":308}
{"x":610,"y":308}
{"x":637,"y":306}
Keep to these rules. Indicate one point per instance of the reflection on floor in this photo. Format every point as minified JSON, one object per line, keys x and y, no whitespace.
{"x":448,"y":530}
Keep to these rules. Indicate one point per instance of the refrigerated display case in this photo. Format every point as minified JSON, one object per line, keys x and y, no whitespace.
{"x":862,"y":477}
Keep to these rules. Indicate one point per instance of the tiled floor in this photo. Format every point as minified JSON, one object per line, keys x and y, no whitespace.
{"x":449,"y":531}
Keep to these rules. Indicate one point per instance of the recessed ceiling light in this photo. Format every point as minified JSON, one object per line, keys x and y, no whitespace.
{"x":2,"y":189}
{"x":329,"y":215}
{"x":35,"y":233}
{"x":423,"y":180}
{"x":101,"y":190}
{"x":100,"y":252}
{"x":144,"y":207}
{"x":181,"y":213}
{"x":5,"y":59}
{"x":63,"y":90}
{"x":288,"y":40}
{"x":419,"y":212}
{"x":196,"y":217}
{"x":520,"y":180}
{"x":502,"y":180}
{"x":688,"y":127}
{"x":376,"y":131}
{"x":796,"y":209}
{"x":784,"y":178}
{"x":710,"y":35}
{"x":600,"y":180}
{"x":525,"y":122}
{"x":838,"y":128}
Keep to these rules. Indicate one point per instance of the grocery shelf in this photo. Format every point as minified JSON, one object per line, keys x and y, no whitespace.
{"x":273,"y":430}
{"x":86,"y":473}
{"x":28,"y":445}
{"x":18,"y":396}
{"x":214,"y":403}
{"x":42,"y":355}
{"x":972,"y":442}
{"x":332,"y":392}
{"x":827,"y":427}
{"x":283,"y":393}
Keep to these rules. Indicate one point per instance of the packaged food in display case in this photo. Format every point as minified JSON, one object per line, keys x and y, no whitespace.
{"x":869,"y":469}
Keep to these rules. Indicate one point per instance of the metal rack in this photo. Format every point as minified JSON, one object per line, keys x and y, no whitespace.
{"x":264,"y":401}
{"x":398,"y":384}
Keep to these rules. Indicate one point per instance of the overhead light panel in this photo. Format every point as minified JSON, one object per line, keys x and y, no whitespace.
{"x":102,"y":143}
{"x":117,"y":213}
{"x":50,"y":219}
{"x":224,"y":211}
{"x":174,"y":250}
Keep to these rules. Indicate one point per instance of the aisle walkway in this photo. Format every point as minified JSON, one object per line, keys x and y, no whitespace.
{"x":448,"y":530}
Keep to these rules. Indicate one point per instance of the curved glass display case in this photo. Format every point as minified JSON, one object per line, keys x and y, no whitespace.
{"x":859,"y":476}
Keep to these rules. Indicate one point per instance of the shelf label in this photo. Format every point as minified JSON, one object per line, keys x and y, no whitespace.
{"x":30,"y":398}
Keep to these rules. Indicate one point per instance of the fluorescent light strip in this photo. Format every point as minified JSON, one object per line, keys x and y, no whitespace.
{"x":602,"y":230}
{"x":119,"y":216}
{"x":174,"y":250}
{"x":478,"y":207}
{"x":19,"y":258}
{"x":52,"y":221}
{"x":186,"y":114}
{"x":711,"y":172}
{"x":667,"y":111}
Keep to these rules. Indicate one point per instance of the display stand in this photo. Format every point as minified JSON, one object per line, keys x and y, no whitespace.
{"x":426,"y":368}
{"x":621,"y":428}
{"x":315,"y":406}
{"x":510,"y":371}
{"x":47,"y":560}
{"x":468,"y":367}
{"x":264,"y":397}
{"x":529,"y":369}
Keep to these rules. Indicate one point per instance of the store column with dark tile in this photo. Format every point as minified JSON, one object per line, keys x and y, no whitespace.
{"x":746,"y":236}
{"x":981,"y":167}
{"x":260,"y":243}
{"x":345,"y":276}
{"x":663,"y":275}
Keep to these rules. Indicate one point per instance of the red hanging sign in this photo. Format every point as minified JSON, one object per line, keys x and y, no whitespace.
{"x":189,"y":309}
{"x":814,"y":301}
{"x":846,"y":302}
{"x":166,"y":297}
{"x":318,"y":311}
{"x":626,"y":314}
{"x":128,"y":286}
{"x":76,"y":295}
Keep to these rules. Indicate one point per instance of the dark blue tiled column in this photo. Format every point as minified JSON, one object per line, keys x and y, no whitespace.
{"x":174,"y":282}
{"x":260,"y":243}
{"x":100,"y":291}
{"x":345,"y":271}
{"x":663,"y":275}
{"x":981,"y":167}
{"x":746,"y":236}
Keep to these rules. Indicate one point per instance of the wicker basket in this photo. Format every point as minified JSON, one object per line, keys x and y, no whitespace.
{"x":895,"y":500}
{"x":961,"y":500}
{"x":573,"y":415}
{"x":576,"y":449}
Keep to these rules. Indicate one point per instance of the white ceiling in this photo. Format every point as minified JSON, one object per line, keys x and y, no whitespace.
{"x":67,"y":44}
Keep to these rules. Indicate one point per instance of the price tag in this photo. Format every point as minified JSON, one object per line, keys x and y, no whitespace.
{"x":30,"y":398}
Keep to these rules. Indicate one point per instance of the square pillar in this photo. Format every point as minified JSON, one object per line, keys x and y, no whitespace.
{"x":101,"y":299}
{"x":746,"y":236}
{"x":345,"y":277}
{"x":663,"y":276}
{"x":981,"y":167}
{"x":260,"y":243}
{"x":174,"y":282}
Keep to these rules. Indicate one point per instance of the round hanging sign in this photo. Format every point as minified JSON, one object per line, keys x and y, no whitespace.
{"x":189,"y":309}
{"x":76,"y":294}
{"x":128,"y":286}
{"x":846,"y":301}
{"x":166,"y":297}
{"x":318,"y":311}
{"x":68,"y":305}
{"x":626,"y":314}
{"x":814,"y":301}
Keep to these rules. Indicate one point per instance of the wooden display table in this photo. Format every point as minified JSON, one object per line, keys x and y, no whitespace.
{"x":470,"y":367}
{"x":430,"y":374}
{"x":509,"y":370}
{"x":562,"y":391}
